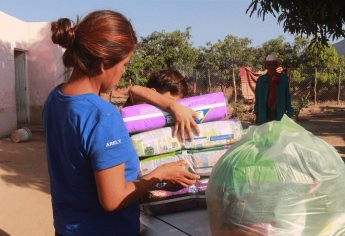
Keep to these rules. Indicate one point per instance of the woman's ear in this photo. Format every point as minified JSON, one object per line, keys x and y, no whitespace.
{"x":102,"y":68}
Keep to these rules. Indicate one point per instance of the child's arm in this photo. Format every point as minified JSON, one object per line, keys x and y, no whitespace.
{"x":138,"y":94}
{"x":184,"y":116}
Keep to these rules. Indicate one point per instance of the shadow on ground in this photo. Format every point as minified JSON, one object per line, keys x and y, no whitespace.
{"x":328,"y":125}
{"x":24,"y":164}
{"x":3,"y":233}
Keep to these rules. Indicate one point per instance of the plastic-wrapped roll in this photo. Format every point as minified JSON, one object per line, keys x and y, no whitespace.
{"x":212,"y":134}
{"x":216,"y":133}
{"x":162,"y":201}
{"x":154,"y":195}
{"x":143,"y":117}
{"x":200,"y":162}
{"x":155,"y":142}
{"x":204,"y":160}
{"x":149,"y":164}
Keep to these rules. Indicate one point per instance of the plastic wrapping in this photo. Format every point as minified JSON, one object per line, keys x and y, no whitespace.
{"x":165,"y":200}
{"x":280,"y":180}
{"x":149,"y":164}
{"x":159,"y":141}
{"x":200,"y":162}
{"x":143,"y":117}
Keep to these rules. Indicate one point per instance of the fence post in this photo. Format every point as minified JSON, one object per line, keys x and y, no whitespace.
{"x":209,"y":80}
{"x":194,"y":85}
{"x":234,"y":82}
{"x":315,"y":83}
{"x":339,"y":78}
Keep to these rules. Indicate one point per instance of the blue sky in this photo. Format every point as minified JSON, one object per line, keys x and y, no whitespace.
{"x":211,"y":20}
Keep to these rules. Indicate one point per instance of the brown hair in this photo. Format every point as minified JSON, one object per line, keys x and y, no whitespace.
{"x":102,"y":37}
{"x":168,"y":80}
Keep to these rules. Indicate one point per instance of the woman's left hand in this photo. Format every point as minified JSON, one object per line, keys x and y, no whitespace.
{"x":184,"y":121}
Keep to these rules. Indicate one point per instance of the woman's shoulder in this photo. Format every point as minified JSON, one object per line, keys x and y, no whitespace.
{"x":103,"y":107}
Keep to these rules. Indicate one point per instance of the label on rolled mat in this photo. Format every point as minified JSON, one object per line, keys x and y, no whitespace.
{"x":201,"y":116}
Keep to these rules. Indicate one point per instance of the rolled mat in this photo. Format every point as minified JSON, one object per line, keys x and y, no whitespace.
{"x":143,"y":117}
{"x":157,"y":202}
{"x":212,"y":134}
{"x":200,"y":161}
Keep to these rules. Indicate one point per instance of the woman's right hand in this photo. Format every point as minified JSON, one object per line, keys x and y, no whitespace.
{"x":176,"y":173}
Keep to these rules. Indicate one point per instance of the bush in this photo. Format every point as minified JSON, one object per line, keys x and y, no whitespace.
{"x":299,"y":104}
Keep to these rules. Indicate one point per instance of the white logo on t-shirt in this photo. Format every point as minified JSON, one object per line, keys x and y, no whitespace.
{"x":113,"y":143}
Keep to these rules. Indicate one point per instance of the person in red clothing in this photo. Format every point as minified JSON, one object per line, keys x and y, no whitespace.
{"x":272,"y":95}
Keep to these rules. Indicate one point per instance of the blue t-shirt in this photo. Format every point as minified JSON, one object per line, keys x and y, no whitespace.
{"x":84,"y":134}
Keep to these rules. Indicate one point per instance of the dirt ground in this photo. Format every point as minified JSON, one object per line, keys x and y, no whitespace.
{"x":24,"y":182}
{"x":328,"y":123}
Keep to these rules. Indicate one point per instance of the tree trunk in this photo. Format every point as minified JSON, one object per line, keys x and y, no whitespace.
{"x":339,"y":84}
{"x":315,"y":83}
{"x":195,"y":83}
{"x":209,"y":80}
{"x":234,"y":83}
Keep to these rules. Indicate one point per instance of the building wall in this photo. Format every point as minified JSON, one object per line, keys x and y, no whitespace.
{"x":44,"y":69}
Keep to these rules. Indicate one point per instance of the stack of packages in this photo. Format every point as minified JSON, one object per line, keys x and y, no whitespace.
{"x":155,"y":146}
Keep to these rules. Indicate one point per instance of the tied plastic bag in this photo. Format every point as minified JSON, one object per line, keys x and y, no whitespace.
{"x":279,"y":177}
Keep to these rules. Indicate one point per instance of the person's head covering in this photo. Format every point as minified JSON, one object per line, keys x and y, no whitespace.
{"x":271,"y":58}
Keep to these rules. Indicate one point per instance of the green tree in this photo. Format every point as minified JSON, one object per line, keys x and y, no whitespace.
{"x":167,"y":50}
{"x":225,"y":55}
{"x":277,"y":47}
{"x":160,"y":50}
{"x":325,"y":59}
{"x":134,"y":72}
{"x":320,"y":19}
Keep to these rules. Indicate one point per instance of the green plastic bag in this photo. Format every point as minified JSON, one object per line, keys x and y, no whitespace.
{"x":279,"y":179}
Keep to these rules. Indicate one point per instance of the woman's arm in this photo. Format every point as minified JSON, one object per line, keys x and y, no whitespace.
{"x":115,"y":193}
{"x":184,"y":116}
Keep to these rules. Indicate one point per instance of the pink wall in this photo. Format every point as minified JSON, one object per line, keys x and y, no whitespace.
{"x":44,"y":69}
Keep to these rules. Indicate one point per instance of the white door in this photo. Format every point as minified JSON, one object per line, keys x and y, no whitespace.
{"x":20,"y":86}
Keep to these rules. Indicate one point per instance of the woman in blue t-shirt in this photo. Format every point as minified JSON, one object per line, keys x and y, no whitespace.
{"x":93,"y":166}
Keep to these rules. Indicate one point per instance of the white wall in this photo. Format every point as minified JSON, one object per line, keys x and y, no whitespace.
{"x":44,"y":69}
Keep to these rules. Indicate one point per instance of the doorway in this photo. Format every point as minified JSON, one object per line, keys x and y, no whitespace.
{"x":21,"y":86}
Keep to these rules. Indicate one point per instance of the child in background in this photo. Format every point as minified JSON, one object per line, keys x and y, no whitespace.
{"x":169,"y":83}
{"x":162,"y":85}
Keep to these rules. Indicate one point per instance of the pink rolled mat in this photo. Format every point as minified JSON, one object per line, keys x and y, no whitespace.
{"x":198,"y":187}
{"x":143,"y":117}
